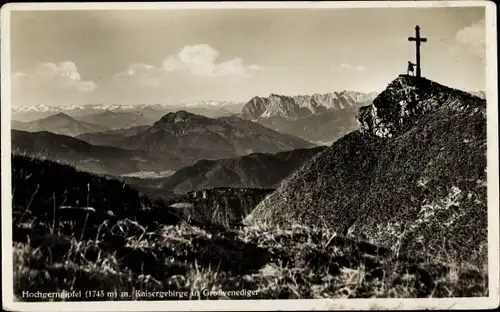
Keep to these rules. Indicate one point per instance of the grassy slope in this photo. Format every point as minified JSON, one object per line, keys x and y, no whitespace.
{"x":286,"y":264}
{"x":423,"y":191}
{"x":143,"y":245}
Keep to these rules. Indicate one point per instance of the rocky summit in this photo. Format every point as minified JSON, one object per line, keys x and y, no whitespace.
{"x":319,"y":118}
{"x":406,"y":99}
{"x":412,"y":178}
{"x":295,"y":107}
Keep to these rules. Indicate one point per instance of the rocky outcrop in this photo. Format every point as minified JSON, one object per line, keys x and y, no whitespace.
{"x":405,"y":100}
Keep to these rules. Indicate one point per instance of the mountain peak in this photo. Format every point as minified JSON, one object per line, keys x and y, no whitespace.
{"x":406,"y":99}
{"x":180,"y":122}
{"x":280,"y":96}
{"x":174,"y":117}
{"x":61,"y":115}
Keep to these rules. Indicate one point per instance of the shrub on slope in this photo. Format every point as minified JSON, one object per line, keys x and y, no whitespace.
{"x":225,"y":206}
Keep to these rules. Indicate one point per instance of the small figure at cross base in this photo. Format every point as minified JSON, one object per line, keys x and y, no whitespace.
{"x":411,"y":68}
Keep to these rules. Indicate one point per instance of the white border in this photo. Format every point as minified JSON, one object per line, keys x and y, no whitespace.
{"x":317,"y":304}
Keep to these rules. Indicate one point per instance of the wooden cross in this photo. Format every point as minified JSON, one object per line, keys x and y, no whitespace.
{"x":417,"y":40}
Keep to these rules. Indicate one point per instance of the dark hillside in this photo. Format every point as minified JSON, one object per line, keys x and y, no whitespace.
{"x":257,"y":170}
{"x":42,"y":187}
{"x":87,"y":157}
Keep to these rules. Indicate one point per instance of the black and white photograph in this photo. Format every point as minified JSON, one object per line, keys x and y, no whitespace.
{"x":243,"y":156}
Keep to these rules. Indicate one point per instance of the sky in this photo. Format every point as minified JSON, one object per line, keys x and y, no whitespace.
{"x":168,"y":57}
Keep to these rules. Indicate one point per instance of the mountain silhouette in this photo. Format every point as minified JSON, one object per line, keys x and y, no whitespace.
{"x":59,"y":123}
{"x":197,"y":137}
{"x":91,"y":158}
{"x":110,"y":137}
{"x":116,"y":120}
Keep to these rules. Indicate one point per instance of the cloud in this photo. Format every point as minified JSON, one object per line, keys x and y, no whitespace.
{"x":142,"y":74}
{"x":201,"y":60}
{"x":473,"y":38}
{"x":192,"y":72}
{"x":355,"y":67}
{"x":64,"y":75}
{"x":195,"y":72}
{"x":49,"y":83}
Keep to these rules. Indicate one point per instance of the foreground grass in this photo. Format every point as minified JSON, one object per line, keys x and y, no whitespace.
{"x":73,"y":231}
{"x":131,"y":262}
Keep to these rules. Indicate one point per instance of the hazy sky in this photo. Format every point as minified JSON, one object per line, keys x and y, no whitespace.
{"x":164,"y":56}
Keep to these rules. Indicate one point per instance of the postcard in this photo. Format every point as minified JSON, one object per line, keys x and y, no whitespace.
{"x":269,"y":156}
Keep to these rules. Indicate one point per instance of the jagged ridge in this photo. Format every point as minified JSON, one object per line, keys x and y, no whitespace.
{"x":300,"y":106}
{"x":319,"y":118}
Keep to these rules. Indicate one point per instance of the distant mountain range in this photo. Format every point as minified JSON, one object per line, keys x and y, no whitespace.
{"x":148,"y":112}
{"x":111,"y":137}
{"x":319,"y":118}
{"x":176,"y":140}
{"x":116,"y":120}
{"x":59,"y":123}
{"x":207,"y":138}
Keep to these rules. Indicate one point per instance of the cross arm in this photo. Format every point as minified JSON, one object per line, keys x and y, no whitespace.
{"x":417,"y":39}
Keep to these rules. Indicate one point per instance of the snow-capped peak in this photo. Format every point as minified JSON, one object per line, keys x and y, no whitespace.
{"x":35,"y":108}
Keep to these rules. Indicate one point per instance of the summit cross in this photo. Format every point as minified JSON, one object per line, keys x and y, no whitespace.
{"x":418,"y":40}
